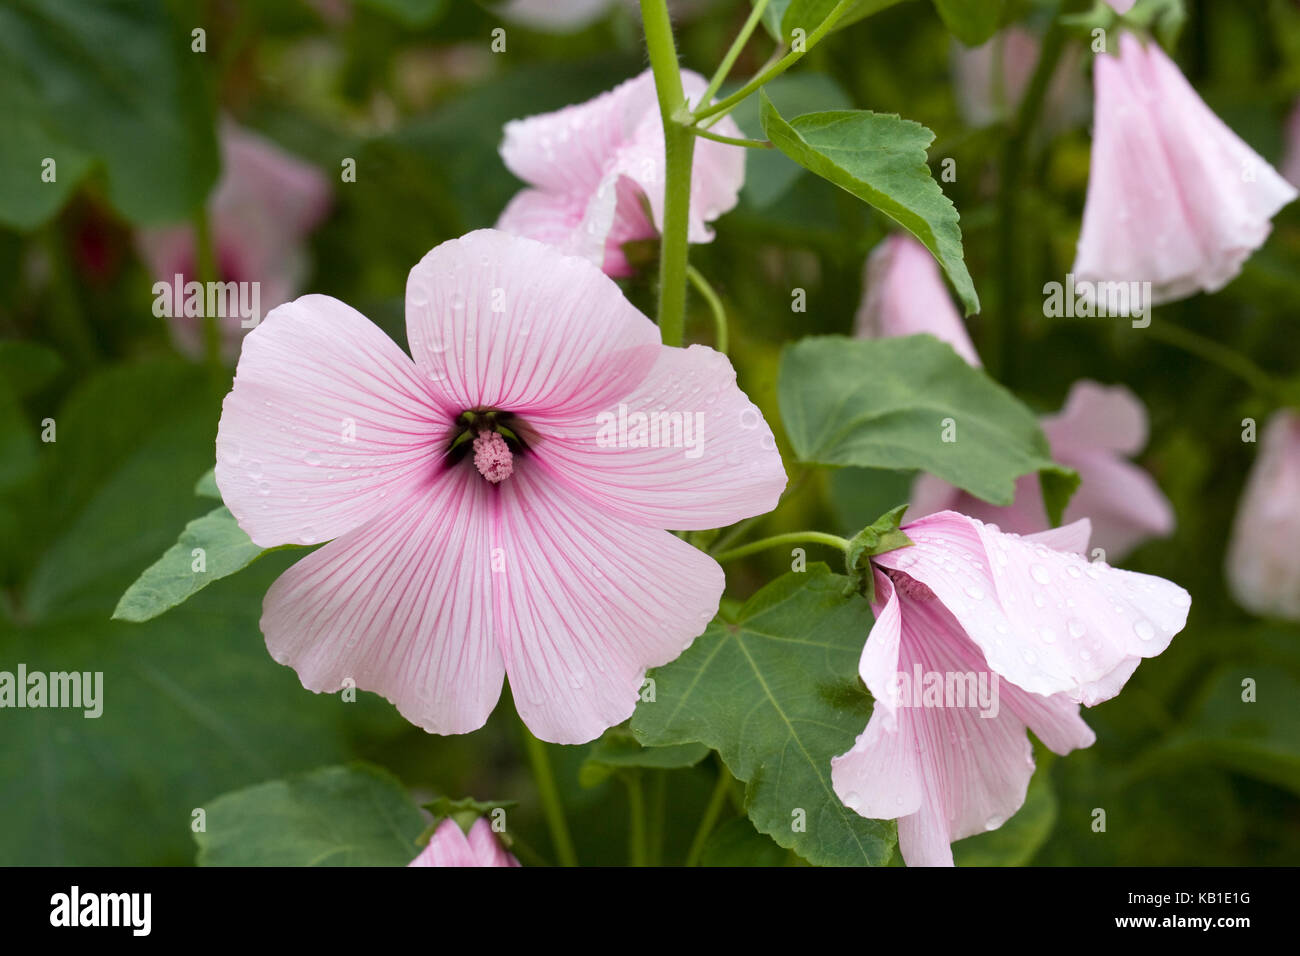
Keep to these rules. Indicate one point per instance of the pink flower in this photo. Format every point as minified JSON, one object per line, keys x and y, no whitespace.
{"x":538,"y":554}
{"x":594,"y":168}
{"x":264,"y":205}
{"x":1097,"y":430}
{"x":905,"y":295}
{"x":1122,"y":6}
{"x":990,"y":80}
{"x":1035,"y":624}
{"x":1175,"y":198}
{"x":1263,"y":562}
{"x":1291,"y":164}
{"x":450,"y":847}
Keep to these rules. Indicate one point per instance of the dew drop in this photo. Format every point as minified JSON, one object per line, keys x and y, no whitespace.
{"x":1040,"y":574}
{"x":1144,"y":630}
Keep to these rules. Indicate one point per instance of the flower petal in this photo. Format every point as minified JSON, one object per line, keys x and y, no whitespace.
{"x":326,"y":419}
{"x":501,"y":321}
{"x":1098,"y":417}
{"x":1047,"y":620}
{"x":587,"y":603}
{"x":717,"y":462}
{"x":1263,"y":562}
{"x":402,"y":606}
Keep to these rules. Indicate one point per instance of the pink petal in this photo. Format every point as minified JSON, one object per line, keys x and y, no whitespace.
{"x":945,"y":772}
{"x":1122,"y":6}
{"x":1098,"y":417}
{"x":563,"y":220}
{"x":1175,"y":198}
{"x":905,"y":295}
{"x":1291,"y":164}
{"x":1048,"y":621}
{"x":449,"y":847}
{"x":1123,"y":502}
{"x":586,"y":603}
{"x":718,"y":462}
{"x":500,"y":321}
{"x":1073,"y":537}
{"x":402,"y":606}
{"x":1263,"y":560}
{"x":327,"y":418}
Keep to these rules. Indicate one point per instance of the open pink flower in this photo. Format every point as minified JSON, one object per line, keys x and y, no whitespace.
{"x":496,"y":505}
{"x":264,"y":204}
{"x":904,"y":294}
{"x":1263,"y":561}
{"x":1096,"y":432}
{"x":1041,"y":626}
{"x":597,"y":173}
{"x":1175,"y":198}
{"x":449,"y":846}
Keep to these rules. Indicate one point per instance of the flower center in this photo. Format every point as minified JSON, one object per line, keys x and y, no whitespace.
{"x":492,"y":457}
{"x":909,"y":586}
{"x":493,"y":437}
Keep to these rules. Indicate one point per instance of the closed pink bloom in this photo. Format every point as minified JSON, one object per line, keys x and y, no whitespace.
{"x":1175,"y":198}
{"x":594,"y":167}
{"x":1291,"y":165}
{"x":1054,"y":631}
{"x":990,"y":80}
{"x":1096,"y":432}
{"x":1263,"y":560}
{"x":492,"y":507}
{"x":263,"y":207}
{"x":904,"y":294}
{"x":449,"y":846}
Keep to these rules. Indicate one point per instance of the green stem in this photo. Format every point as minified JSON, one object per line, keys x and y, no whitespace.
{"x":206,"y":266}
{"x":715,"y":306}
{"x":1220,"y":355}
{"x":549,"y":794}
{"x":711,"y":813}
{"x":725,"y":105}
{"x":636,"y":839}
{"x":733,"y":140}
{"x":776,"y":541}
{"x":1002,"y":334}
{"x":679,"y":150}
{"x":728,"y":61}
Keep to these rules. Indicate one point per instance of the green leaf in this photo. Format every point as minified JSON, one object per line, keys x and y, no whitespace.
{"x":103,"y":81}
{"x":737,"y":843}
{"x":410,"y":13}
{"x":618,"y":750}
{"x":973,"y":22}
{"x":26,"y":367}
{"x":782,"y":17}
{"x":886,"y":403}
{"x":881,"y":159}
{"x":769,"y":173}
{"x":356,"y":815}
{"x":214,"y":542}
{"x":206,"y":487}
{"x":776,"y":694}
{"x":1016,"y":841}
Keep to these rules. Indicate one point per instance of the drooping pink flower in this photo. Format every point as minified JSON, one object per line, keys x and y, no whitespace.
{"x":990,"y":80}
{"x":449,"y":846}
{"x":904,"y":294}
{"x":264,"y":205}
{"x":1291,"y":164}
{"x":1175,"y":198}
{"x":1096,"y":432}
{"x":595,"y":168}
{"x":538,"y":554}
{"x":1046,"y":629}
{"x":1263,"y":560}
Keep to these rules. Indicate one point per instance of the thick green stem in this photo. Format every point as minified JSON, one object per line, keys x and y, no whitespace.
{"x":1002,"y":332}
{"x":549,"y":794}
{"x":710,"y":818}
{"x":728,"y":61}
{"x":776,"y":541}
{"x":679,"y":150}
{"x":715,"y":306}
{"x":636,"y":840}
{"x":705,"y":110}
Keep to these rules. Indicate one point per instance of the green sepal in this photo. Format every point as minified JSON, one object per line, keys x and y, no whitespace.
{"x":880,"y":536}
